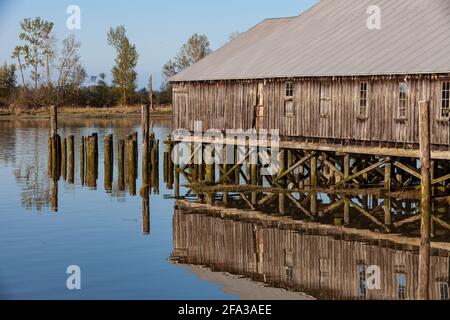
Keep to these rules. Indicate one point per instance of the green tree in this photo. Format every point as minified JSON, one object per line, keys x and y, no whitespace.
{"x":124,"y":72}
{"x":195,"y":49}
{"x":7,"y":81}
{"x":36,"y":33}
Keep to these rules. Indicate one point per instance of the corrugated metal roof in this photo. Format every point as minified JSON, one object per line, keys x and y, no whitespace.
{"x":332,"y":39}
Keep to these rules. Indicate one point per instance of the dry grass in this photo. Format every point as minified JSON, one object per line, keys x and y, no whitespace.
{"x":85,"y":111}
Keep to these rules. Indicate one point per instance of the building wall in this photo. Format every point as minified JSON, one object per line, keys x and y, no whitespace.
{"x":231,"y":104}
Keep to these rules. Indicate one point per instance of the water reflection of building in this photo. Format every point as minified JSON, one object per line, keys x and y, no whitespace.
{"x":325,"y":262}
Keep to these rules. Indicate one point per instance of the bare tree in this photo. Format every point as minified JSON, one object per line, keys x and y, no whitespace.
{"x":69,"y":68}
{"x":195,"y":49}
{"x":18,"y":53}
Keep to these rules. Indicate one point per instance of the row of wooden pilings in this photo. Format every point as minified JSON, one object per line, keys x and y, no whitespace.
{"x":61,"y":162}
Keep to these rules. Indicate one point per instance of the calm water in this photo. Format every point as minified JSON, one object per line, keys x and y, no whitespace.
{"x":256,"y":244}
{"x":100,"y":232}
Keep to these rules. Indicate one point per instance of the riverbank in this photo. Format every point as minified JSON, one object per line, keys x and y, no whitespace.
{"x":87,"y":112}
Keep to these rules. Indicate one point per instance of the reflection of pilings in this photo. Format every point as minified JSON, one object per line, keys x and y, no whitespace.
{"x":108,"y":162}
{"x":54,"y":194}
{"x":154,"y":162}
{"x":71,"y":159}
{"x":121,"y":164}
{"x":82,"y":159}
{"x":146,"y":215}
{"x":168,"y":165}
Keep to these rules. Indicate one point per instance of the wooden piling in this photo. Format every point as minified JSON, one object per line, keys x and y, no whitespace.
{"x":82,"y":159}
{"x":313,"y":165}
{"x":121,"y":165}
{"x":64,"y":158}
{"x":71,"y":159}
{"x":425,"y":161}
{"x":91,"y":162}
{"x":95,"y":146}
{"x":145,"y":143}
{"x":388,"y":175}
{"x":108,"y":162}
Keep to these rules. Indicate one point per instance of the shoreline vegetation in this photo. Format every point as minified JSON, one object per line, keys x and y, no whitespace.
{"x":164,"y":111}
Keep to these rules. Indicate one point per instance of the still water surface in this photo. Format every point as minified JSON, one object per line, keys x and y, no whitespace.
{"x":100,"y":232}
{"x":257,"y":244}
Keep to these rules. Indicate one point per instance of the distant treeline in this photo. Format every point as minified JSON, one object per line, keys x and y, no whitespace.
{"x":41,"y":75}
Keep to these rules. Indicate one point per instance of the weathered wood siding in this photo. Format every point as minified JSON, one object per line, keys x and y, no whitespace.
{"x":231,"y":104}
{"x":323,"y":265}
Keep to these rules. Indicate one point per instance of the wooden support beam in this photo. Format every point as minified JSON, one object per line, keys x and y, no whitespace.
{"x":362,"y":172}
{"x":407,"y":169}
{"x":293,"y":167}
{"x":425,"y":230}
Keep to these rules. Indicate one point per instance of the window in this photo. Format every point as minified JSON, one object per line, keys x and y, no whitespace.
{"x":288,"y":108}
{"x":289,"y":101}
{"x":289,"y":90}
{"x":443,"y":290}
{"x":289,"y":275}
{"x":363,"y":99}
{"x":403,"y":99}
{"x":401,"y":286}
{"x":445,"y":99}
{"x":362,"y":282}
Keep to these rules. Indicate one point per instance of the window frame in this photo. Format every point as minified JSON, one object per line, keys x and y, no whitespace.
{"x":363,"y":110}
{"x":445,"y":100}
{"x":402,"y":289}
{"x":289,"y":90}
{"x":288,"y":99}
{"x":403,"y":91}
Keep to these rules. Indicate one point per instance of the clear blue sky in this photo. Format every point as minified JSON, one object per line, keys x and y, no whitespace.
{"x":158,"y":28}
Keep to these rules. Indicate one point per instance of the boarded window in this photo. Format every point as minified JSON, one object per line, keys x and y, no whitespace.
{"x":289,"y":258}
{"x":288,"y":108}
{"x":325,"y":269}
{"x":401,"y":286}
{"x":445,"y":99}
{"x":362,"y":282}
{"x":289,"y":89}
{"x":403,"y":99}
{"x":325,"y":98}
{"x":363,"y":99}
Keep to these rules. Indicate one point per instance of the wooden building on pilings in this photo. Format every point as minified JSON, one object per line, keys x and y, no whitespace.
{"x":335,"y":78}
